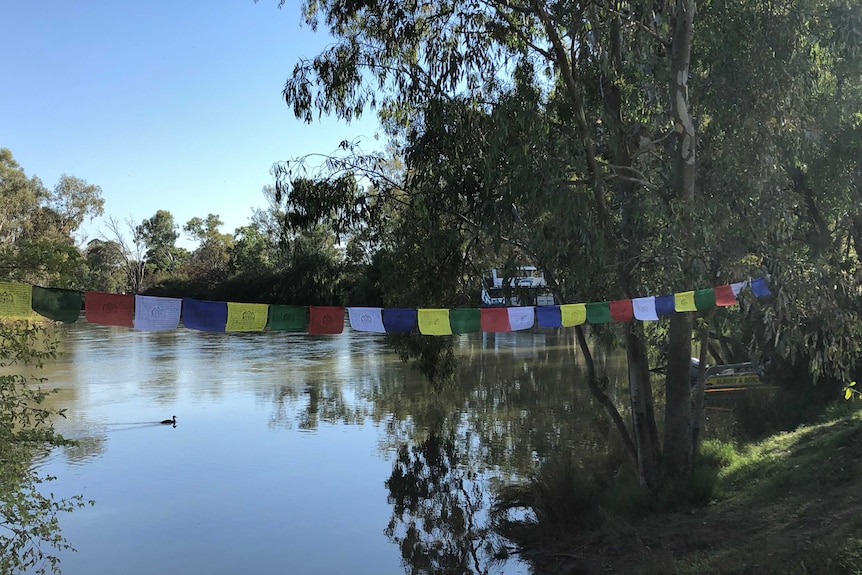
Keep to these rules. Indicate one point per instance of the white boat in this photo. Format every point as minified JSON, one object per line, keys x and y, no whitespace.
{"x":526,"y":286}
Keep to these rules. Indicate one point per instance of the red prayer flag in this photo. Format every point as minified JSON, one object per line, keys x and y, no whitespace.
{"x":622,"y":310}
{"x":109,"y":308}
{"x":724,"y":296}
{"x":495,"y":319}
{"x":324,"y":320}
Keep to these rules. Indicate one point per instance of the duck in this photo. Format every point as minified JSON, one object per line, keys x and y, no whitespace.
{"x":170,"y":421}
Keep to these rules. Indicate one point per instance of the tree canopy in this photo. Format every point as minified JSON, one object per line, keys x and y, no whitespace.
{"x":627,"y":150}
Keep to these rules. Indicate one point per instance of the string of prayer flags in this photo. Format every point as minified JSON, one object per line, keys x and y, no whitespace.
{"x":399,"y":320}
{"x":465,"y":320}
{"x":62,"y":305}
{"x":288,"y":317}
{"x":599,"y":312}
{"x":434,"y":321}
{"x":521,"y":317}
{"x":157,"y":313}
{"x":622,"y":310}
{"x":203,"y":315}
{"x":573,"y":314}
{"x":325,"y":320}
{"x":366,"y":319}
{"x":16,"y":300}
{"x":161,"y":313}
{"x":109,"y":308}
{"x":549,"y":316}
{"x":246,"y":316}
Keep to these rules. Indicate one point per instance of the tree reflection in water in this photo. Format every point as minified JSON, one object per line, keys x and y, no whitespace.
{"x":436,"y":502}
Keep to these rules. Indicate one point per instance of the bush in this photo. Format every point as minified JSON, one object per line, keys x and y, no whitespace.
{"x":26,"y":431}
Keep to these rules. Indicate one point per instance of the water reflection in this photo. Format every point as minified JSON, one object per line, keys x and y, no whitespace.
{"x":437,"y":519}
{"x":307,"y":440}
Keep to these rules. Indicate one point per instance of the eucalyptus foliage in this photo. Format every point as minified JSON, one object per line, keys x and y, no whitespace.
{"x":29,"y":526}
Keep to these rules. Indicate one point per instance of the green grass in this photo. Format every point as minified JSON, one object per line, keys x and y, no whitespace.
{"x":791,"y":503}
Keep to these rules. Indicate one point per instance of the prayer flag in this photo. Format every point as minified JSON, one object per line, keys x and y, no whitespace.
{"x":758,"y":286}
{"x":109,"y":308}
{"x":704,"y":299}
{"x":724,"y":296}
{"x":465,"y":320}
{"x":684,"y":301}
{"x":737,"y":287}
{"x":522,"y":317}
{"x":157,"y":313}
{"x":434,"y":322}
{"x":58,"y":304}
{"x":288,"y":317}
{"x":325,"y":320}
{"x":549,"y":316}
{"x":246,"y":316}
{"x":203,"y":315}
{"x":599,"y":312}
{"x":16,"y":300}
{"x":644,"y":308}
{"x":622,"y":310}
{"x":399,"y":320}
{"x":572,"y":314}
{"x":366,"y":319}
{"x":665,"y":305}
{"x":495,"y":319}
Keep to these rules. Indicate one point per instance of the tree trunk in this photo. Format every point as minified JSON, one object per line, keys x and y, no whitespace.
{"x":699,"y":391}
{"x":677,"y":417}
{"x":603,"y":398}
{"x":677,"y":457}
{"x":643,"y":414}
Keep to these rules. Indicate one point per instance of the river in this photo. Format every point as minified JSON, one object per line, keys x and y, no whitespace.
{"x":302,"y":454}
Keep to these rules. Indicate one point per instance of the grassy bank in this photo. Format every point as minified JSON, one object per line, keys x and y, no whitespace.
{"x":789,"y":504}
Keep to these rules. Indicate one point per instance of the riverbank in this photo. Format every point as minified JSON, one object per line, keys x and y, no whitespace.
{"x":789,"y":504}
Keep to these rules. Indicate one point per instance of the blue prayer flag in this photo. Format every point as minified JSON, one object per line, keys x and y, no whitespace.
{"x":549,"y":316}
{"x":399,"y":320}
{"x":758,"y":286}
{"x":204,"y":315}
{"x":665,"y":305}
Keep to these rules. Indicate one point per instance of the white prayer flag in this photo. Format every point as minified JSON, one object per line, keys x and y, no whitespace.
{"x":366,"y":319}
{"x":157,"y":313}
{"x":644,"y":308}
{"x":737,"y":287}
{"x":521,"y":317}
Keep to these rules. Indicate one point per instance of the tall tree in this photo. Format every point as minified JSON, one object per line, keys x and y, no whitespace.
{"x":37,"y":244}
{"x":566,"y":130}
{"x":209,"y":261}
{"x":160,"y":233}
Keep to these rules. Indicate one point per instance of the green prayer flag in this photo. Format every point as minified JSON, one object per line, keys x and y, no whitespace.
{"x":465,"y":320}
{"x":704,"y":299}
{"x":288,"y":317}
{"x":599,"y":312}
{"x":58,"y":304}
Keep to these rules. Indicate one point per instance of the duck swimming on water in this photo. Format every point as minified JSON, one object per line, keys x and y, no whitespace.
{"x":170,"y":421}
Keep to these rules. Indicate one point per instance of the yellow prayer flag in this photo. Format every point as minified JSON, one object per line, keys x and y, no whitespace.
{"x":246,"y":316}
{"x":16,"y":300}
{"x":434,"y":322}
{"x":572,"y":314}
{"x":684,"y":301}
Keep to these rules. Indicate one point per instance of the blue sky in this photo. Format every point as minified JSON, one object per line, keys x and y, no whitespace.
{"x":172,"y":105}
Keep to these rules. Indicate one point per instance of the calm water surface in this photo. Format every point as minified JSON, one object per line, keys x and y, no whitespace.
{"x":301,"y":454}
